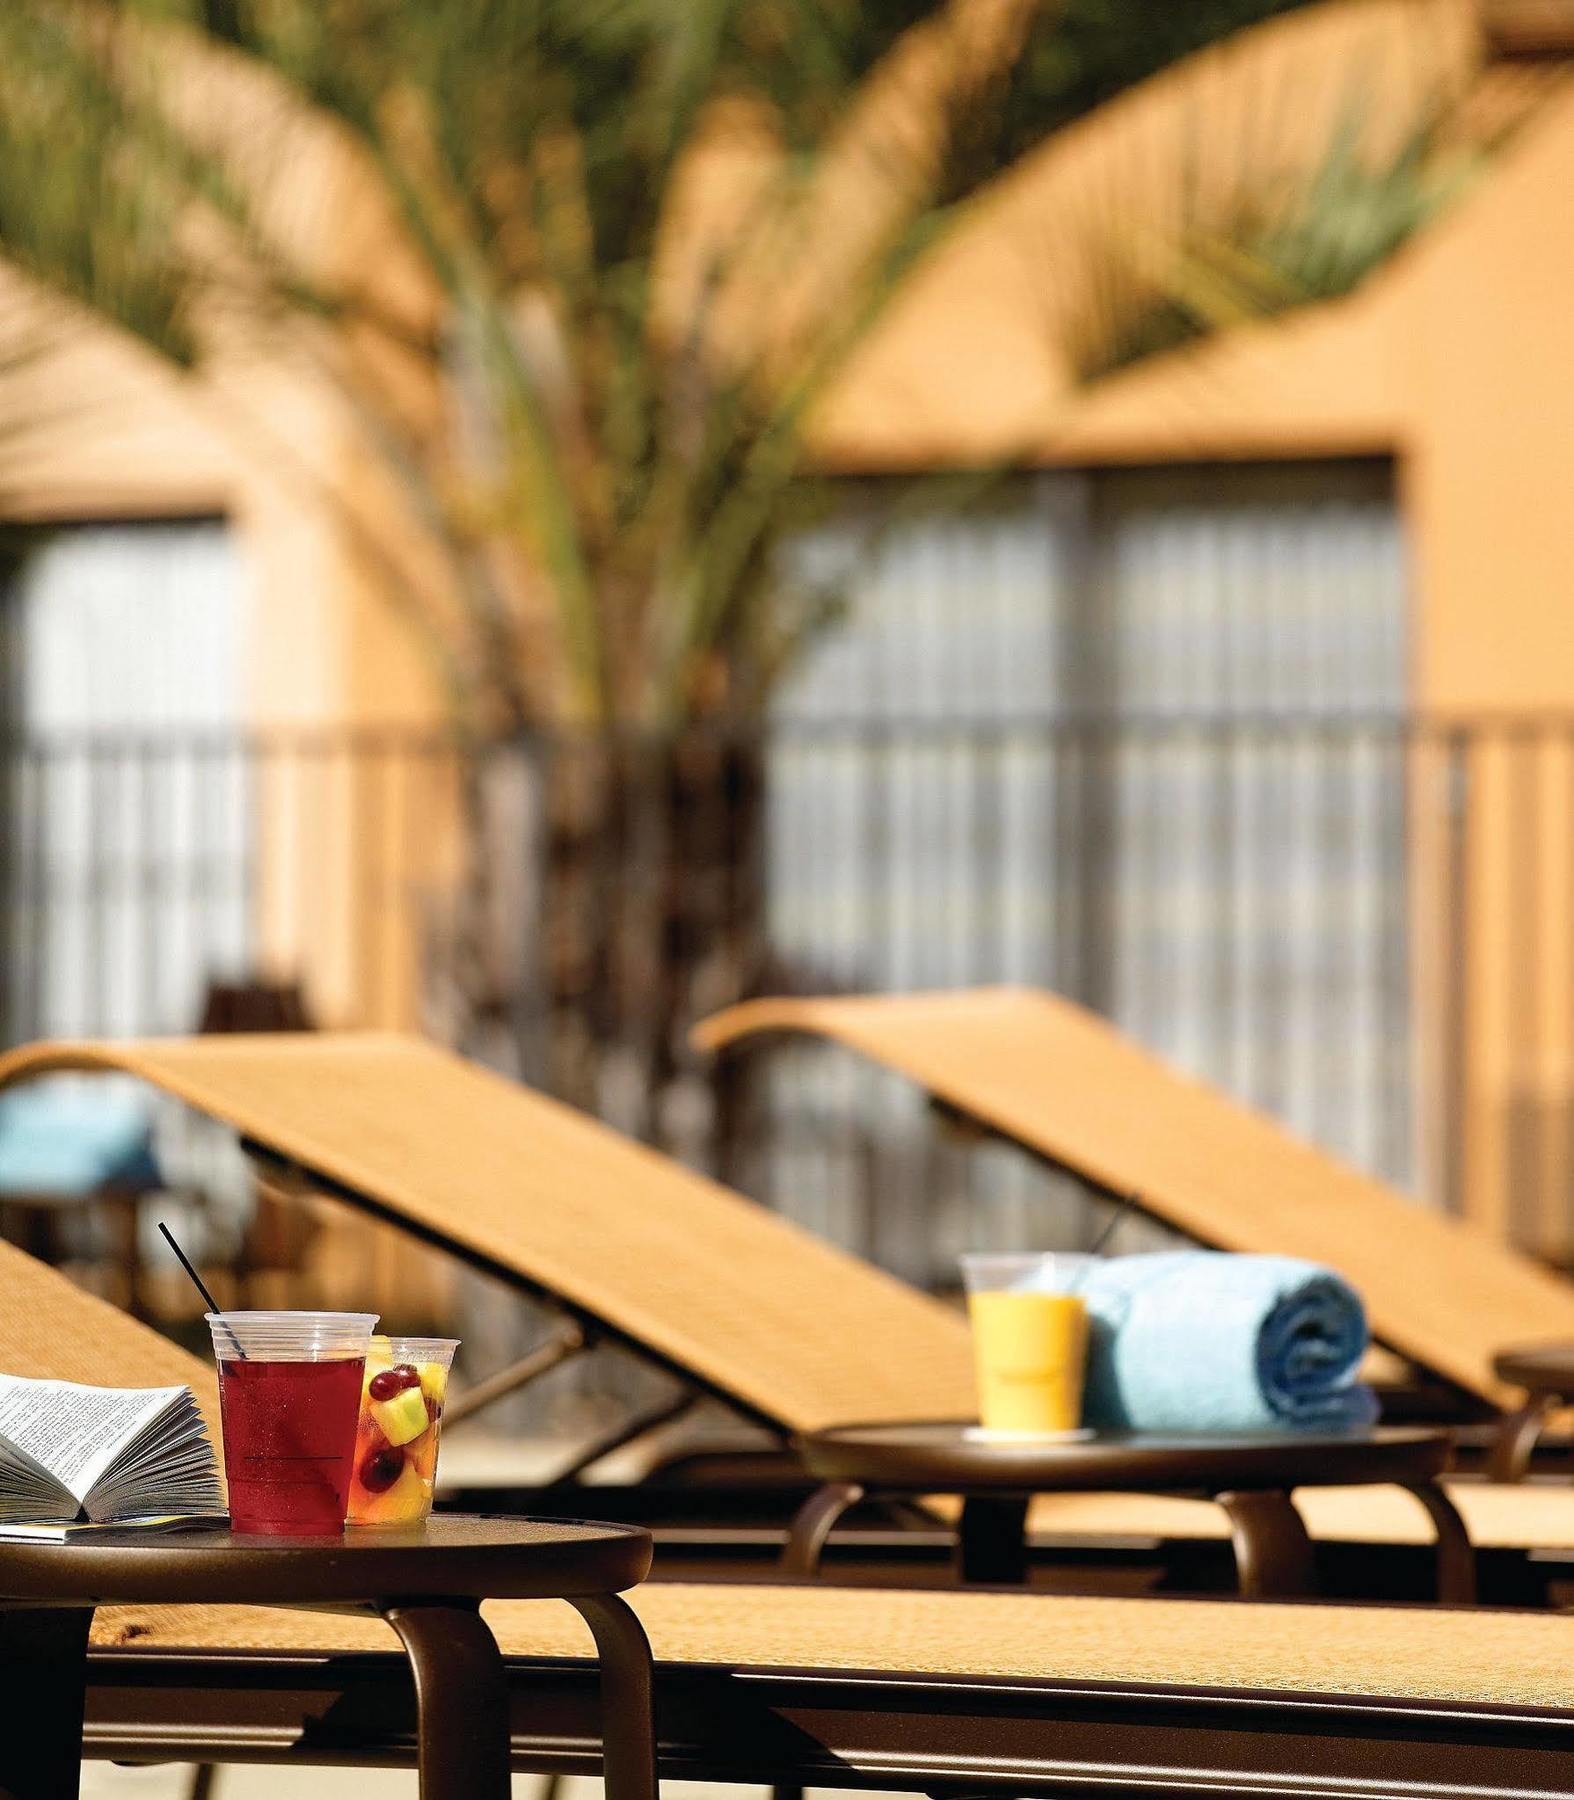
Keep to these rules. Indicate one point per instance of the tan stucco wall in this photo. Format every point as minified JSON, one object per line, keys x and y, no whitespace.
{"x":105,"y":430}
{"x":1459,"y":360}
{"x":1455,"y":359}
{"x":968,"y":361}
{"x":1487,"y":356}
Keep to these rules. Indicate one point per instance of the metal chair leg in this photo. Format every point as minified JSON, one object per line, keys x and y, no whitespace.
{"x":815,"y":1521}
{"x":992,"y":1539}
{"x":628,"y":1718}
{"x":43,"y":1674}
{"x":1456,"y":1555}
{"x":461,"y":1699}
{"x":1273,"y":1554}
{"x":1516,"y":1438}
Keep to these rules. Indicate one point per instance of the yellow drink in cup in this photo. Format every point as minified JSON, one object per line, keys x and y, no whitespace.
{"x":1030,"y":1339}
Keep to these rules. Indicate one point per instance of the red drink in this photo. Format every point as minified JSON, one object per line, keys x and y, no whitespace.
{"x":289,"y":1442}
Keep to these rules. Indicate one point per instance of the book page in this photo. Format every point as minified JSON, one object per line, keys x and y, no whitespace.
{"x":76,"y":1432}
{"x":168,"y":1467}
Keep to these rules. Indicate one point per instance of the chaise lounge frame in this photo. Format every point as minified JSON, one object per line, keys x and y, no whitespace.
{"x":945,"y":1693}
{"x":625,"y":1246}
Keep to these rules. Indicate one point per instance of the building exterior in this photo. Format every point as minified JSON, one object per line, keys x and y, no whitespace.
{"x":1348,"y":532}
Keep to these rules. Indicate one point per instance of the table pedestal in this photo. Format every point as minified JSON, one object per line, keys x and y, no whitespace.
{"x":1251,"y":1479}
{"x":461,"y":1689}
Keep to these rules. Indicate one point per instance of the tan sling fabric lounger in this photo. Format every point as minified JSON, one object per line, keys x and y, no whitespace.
{"x":720,"y":1289}
{"x":1538,"y":1517}
{"x":920,"y":1692}
{"x":1424,"y":1652}
{"x":759,"y":1682}
{"x":51,"y":1330}
{"x":670,"y":1259}
{"x":673,"y":1261}
{"x":1068,"y":1085}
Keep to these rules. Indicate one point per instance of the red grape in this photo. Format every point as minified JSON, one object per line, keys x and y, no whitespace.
{"x":385,"y":1384}
{"x":408,"y":1375}
{"x":381,"y":1469}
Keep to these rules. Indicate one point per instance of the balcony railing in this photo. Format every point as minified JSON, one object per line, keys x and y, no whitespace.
{"x":1359,"y":923}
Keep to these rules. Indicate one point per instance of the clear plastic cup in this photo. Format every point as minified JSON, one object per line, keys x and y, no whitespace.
{"x":1030,"y":1340}
{"x":289,"y":1393}
{"x":400,"y":1424}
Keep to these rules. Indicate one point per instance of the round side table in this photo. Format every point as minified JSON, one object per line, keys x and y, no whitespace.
{"x":427,"y":1582}
{"x":1251,"y":1477}
{"x":1546,"y":1373}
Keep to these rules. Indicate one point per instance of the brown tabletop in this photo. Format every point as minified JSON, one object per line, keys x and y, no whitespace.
{"x":427,"y":1581}
{"x":450,"y":1556}
{"x":928,"y":1457}
{"x":1546,"y":1372}
{"x":1543,"y":1368}
{"x":1250,"y":1475}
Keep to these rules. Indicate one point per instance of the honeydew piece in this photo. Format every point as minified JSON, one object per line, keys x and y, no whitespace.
{"x":402,"y":1419}
{"x":434,"y":1381}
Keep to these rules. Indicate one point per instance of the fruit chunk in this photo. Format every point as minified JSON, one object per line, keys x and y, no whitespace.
{"x":388,"y":1382}
{"x":423,"y":1457}
{"x":434,"y":1382}
{"x":381,"y":1469}
{"x":402,"y":1418}
{"x":404,"y":1501}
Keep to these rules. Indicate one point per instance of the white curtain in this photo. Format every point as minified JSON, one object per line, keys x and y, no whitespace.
{"x":128,"y":793}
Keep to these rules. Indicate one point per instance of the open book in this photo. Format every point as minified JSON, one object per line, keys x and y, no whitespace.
{"x":105,"y":1455}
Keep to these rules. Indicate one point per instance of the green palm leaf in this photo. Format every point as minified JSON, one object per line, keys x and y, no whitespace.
{"x":606,"y":477}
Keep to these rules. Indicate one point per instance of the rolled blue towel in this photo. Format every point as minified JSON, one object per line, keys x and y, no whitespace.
{"x":1199,"y":1341}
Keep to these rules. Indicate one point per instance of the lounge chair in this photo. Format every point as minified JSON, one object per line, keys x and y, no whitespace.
{"x":76,"y":1166}
{"x":51,"y":1330}
{"x":1060,"y":1081}
{"x":852,"y":1689}
{"x":729,"y":1299}
{"x":935,"y":1693}
{"x":816,"y":1684}
{"x":630,"y":1247}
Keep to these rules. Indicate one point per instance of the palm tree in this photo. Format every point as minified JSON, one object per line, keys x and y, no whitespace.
{"x":594,"y":415}
{"x":592,"y":266}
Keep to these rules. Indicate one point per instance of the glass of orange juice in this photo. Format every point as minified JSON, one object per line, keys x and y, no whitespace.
{"x":1030,"y":1341}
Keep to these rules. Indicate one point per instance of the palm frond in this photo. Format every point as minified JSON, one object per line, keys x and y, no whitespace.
{"x":1281,"y":231}
{"x":637,"y":244}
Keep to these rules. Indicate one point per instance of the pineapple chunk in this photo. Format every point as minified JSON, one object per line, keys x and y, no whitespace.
{"x":402,"y":1419}
{"x":405,"y":1501}
{"x":434,"y":1382}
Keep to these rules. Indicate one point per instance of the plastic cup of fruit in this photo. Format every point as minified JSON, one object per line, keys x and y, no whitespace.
{"x":401,"y":1419}
{"x":289,"y":1386}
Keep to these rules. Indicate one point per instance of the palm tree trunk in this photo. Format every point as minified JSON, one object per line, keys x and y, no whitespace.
{"x":614,"y":896}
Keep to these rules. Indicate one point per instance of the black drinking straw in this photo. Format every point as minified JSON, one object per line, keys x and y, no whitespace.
{"x":197,"y":1283}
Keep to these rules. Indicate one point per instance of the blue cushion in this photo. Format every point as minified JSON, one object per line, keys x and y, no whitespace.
{"x":66,"y":1142}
